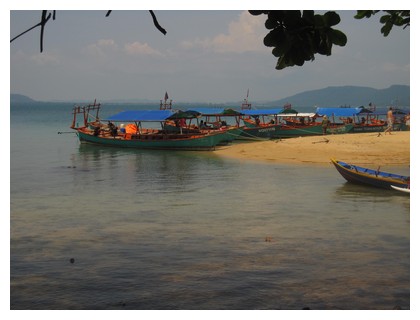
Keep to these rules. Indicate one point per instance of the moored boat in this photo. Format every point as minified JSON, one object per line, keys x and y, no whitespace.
{"x":144,"y":137}
{"x":365,"y":119}
{"x":214,"y":119}
{"x":371,"y":177}
{"x":254,"y":124}
{"x":259,"y":124}
{"x":305,"y":124}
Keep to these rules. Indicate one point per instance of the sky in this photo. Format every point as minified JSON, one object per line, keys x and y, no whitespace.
{"x":210,"y":56}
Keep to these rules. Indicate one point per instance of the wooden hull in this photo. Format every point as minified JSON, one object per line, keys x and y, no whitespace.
{"x":339,"y":129}
{"x":158,"y":141}
{"x":262,"y":132}
{"x":375,"y":178}
{"x":368,"y":128}
{"x":231,"y":132}
{"x":288,"y":131}
{"x":296,"y":130}
{"x":378,"y":128}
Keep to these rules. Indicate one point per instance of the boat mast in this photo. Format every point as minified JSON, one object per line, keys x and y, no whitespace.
{"x":85,"y":110}
{"x":164,"y":105}
{"x":245,"y":105}
{"x":92,"y":107}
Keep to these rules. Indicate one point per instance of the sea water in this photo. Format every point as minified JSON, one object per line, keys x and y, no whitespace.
{"x":96,"y":227}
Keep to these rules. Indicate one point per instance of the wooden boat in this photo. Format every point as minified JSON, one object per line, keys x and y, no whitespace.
{"x":371,"y":177}
{"x":256,"y":124}
{"x":364,"y":119}
{"x":157,"y":140}
{"x":144,"y":137}
{"x":245,"y":124}
{"x":305,"y":124}
{"x":259,"y":124}
{"x":215,"y":119}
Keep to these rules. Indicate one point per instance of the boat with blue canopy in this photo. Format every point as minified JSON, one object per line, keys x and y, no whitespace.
{"x":297,"y":124}
{"x":210,"y":120}
{"x":259,"y":124}
{"x":285,"y":123}
{"x":245,"y":124}
{"x":364,"y":119}
{"x":137,"y":129}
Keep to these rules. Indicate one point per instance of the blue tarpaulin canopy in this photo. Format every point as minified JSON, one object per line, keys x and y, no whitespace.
{"x":189,"y":114}
{"x":261,"y":112}
{"x":209,"y":111}
{"x":338,"y":112}
{"x":141,"y":115}
{"x":215,"y":111}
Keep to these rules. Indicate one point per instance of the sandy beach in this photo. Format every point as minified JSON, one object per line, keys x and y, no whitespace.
{"x":360,"y":148}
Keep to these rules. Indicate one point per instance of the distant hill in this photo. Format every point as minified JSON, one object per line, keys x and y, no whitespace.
{"x":398,"y":95}
{"x":20,"y":98}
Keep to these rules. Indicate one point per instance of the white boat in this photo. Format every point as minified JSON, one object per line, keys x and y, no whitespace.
{"x":407,"y":190}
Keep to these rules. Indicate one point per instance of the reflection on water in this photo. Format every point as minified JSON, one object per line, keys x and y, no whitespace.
{"x":371,"y":196}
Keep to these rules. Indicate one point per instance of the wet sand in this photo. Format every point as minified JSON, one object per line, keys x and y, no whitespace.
{"x":360,"y":148}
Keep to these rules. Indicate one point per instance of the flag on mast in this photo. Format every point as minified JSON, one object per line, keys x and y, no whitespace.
{"x":166,"y":95}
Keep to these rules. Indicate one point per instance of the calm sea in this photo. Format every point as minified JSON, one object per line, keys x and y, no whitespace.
{"x":105,"y":228}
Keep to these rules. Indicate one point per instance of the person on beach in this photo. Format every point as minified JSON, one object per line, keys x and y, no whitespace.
{"x":390,"y":121}
{"x":407,"y":121}
{"x":325,"y":122}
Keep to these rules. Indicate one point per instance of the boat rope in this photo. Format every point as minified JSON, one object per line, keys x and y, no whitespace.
{"x":329,"y":130}
{"x":249,"y":136}
{"x":303,"y":130}
{"x":94,"y":117}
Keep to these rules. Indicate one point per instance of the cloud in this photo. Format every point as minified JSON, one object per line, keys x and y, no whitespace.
{"x":107,"y":48}
{"x":244,"y":34}
{"x":393,"y":67}
{"x":38,"y":59}
{"x":45,"y":59}
{"x":101,"y":48}
{"x":137,"y":48}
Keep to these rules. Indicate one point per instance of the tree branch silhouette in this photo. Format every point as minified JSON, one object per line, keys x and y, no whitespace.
{"x":157,"y":25}
{"x":45,"y":17}
{"x":155,"y":21}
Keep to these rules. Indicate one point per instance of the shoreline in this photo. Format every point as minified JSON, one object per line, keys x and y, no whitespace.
{"x":369,"y":149}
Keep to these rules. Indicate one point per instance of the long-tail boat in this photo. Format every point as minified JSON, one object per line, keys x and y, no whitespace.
{"x":244,"y":124}
{"x":371,"y":177}
{"x":214,"y":119}
{"x":254,"y":124}
{"x":259,"y":124}
{"x":364,"y":119}
{"x":296,"y":124}
{"x":144,"y":135}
